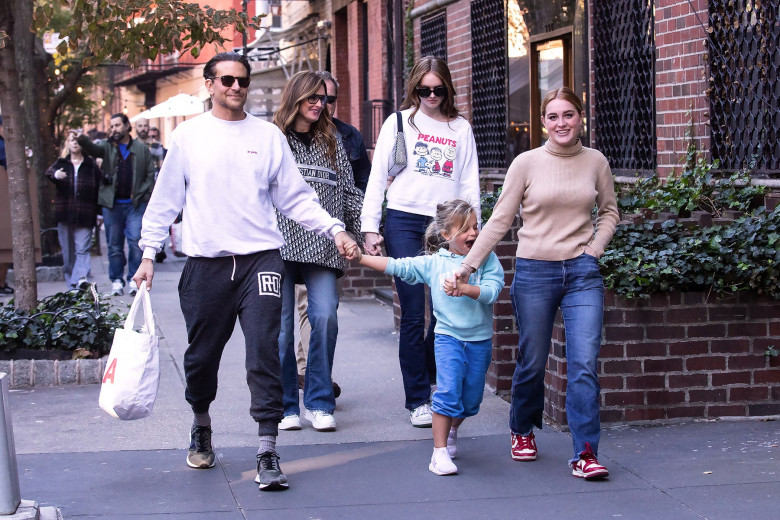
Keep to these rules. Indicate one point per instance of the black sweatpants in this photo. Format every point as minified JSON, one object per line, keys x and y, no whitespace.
{"x":213,"y":292}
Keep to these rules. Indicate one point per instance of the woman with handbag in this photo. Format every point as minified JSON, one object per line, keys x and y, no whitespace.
{"x":434,"y":159}
{"x":77,"y":178}
{"x":309,"y":258}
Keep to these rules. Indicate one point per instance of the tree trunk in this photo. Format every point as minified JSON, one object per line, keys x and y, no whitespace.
{"x":33,"y":75}
{"x":25,"y":281}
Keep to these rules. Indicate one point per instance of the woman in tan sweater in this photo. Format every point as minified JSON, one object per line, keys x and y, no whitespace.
{"x":557,"y":186}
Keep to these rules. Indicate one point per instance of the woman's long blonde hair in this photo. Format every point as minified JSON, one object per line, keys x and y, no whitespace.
{"x":449,"y":214}
{"x":298,"y":89}
{"x":439,"y":67}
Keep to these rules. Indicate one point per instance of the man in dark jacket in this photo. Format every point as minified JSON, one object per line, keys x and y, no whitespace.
{"x":350,"y":136}
{"x":128,"y":180}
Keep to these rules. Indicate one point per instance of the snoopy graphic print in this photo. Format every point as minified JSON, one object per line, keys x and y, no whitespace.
{"x":434,"y":155}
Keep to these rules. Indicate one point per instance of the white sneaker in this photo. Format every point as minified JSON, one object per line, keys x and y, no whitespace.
{"x":441,"y":463}
{"x":321,"y":421}
{"x":421,"y":417}
{"x":83,"y":284}
{"x":133,"y":287}
{"x":117,"y":288}
{"x":290,"y":422}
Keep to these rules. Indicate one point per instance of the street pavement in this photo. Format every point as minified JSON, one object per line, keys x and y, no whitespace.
{"x":72,"y":455}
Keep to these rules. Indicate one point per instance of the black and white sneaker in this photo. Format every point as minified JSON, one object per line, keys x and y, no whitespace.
{"x":269,"y":474}
{"x":201,"y":454}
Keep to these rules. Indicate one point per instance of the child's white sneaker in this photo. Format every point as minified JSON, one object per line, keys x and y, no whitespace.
{"x":452,"y":443}
{"x":441,"y":463}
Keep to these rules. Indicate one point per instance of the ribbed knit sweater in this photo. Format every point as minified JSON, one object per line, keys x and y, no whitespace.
{"x":557,"y":188}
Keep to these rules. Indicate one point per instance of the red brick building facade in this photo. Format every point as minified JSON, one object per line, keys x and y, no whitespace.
{"x":658,"y":79}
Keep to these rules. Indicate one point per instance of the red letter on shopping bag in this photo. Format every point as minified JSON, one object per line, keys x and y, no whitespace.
{"x":110,"y":371}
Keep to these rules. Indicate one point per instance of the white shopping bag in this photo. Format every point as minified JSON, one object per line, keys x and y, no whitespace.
{"x":132,"y":372}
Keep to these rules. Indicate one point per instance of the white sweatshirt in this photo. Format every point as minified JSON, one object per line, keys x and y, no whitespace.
{"x":441,"y":164}
{"x":227,"y":176}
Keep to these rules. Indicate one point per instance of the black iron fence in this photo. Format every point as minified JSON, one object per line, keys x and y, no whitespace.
{"x":624,"y":67}
{"x":744,"y":50}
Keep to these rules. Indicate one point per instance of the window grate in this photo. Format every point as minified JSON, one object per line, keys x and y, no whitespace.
{"x":433,"y":36}
{"x":624,"y":70}
{"x":744,"y":50}
{"x":489,"y":104}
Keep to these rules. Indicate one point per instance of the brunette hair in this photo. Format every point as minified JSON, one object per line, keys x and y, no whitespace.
{"x":449,"y":214}
{"x":564,"y":93}
{"x":438,"y":67}
{"x":298,"y":89}
{"x":211,"y":66}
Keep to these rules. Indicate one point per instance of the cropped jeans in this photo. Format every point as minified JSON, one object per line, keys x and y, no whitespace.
{"x":404,"y":233}
{"x":323,"y":299}
{"x":538,"y":290}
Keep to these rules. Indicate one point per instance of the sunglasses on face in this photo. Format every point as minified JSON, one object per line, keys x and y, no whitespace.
{"x":425,"y":92}
{"x":315,"y":98}
{"x":227,"y":81}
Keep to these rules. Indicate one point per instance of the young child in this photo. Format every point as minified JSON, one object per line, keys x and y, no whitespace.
{"x":464,"y":326}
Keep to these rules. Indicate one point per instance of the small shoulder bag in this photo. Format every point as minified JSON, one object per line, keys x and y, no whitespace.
{"x":398,"y":155}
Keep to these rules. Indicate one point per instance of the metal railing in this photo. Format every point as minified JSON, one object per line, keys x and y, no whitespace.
{"x":375,"y":111}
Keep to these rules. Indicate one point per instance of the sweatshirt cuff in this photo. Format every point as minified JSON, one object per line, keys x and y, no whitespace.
{"x":335,"y":230}
{"x":150,"y":253}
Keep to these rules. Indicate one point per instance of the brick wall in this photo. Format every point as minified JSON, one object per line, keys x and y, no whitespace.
{"x":682,"y":105}
{"x":377,"y":50}
{"x":458,"y":49}
{"x":361,"y":281}
{"x":671,"y":357}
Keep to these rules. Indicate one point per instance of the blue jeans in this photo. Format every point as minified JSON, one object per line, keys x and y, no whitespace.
{"x":460,"y":375}
{"x":123,"y":221}
{"x":538,"y":289}
{"x":75,"y":243}
{"x":404,"y":234}
{"x":323,"y":305}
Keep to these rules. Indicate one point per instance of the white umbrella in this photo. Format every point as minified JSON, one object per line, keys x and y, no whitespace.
{"x":176,"y":106}
{"x":146,"y":114}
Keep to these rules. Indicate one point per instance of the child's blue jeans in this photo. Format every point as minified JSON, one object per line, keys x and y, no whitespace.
{"x":460,"y":375}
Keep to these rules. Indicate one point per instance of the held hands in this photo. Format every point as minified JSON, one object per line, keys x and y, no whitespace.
{"x":353,"y":252}
{"x":459,"y":276}
{"x":60,"y":174}
{"x":373,"y":243}
{"x":347,"y":247}
{"x":450,"y":286}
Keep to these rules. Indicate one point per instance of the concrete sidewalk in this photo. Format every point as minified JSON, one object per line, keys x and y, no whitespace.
{"x":72,"y":455}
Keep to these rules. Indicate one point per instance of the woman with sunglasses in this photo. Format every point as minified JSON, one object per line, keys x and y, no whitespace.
{"x":441,"y":164}
{"x":308,"y":258}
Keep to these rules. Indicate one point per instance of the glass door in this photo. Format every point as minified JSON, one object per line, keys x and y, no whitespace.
{"x":551,"y":68}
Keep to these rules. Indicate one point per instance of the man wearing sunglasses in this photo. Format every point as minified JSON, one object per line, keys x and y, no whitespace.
{"x":227,"y":170}
{"x":350,"y":136}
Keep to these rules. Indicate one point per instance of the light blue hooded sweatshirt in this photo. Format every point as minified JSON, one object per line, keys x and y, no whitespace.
{"x":459,"y":317}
